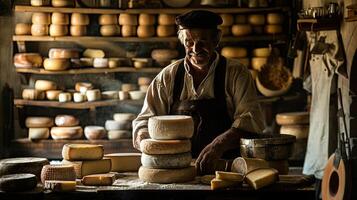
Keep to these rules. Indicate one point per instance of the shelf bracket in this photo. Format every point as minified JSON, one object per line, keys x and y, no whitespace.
{"x":21,"y":46}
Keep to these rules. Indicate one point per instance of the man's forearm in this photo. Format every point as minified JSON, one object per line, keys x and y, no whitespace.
{"x":141,"y":134}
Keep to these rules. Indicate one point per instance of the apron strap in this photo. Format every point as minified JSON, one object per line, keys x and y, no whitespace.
{"x":178,"y":83}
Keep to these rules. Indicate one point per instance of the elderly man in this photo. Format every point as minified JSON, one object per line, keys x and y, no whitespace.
{"x":219,"y":94}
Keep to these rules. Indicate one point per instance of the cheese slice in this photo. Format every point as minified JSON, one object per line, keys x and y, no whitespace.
{"x":170,"y":127}
{"x":88,"y":167}
{"x":229,"y":176}
{"x":39,"y":122}
{"x":99,"y":179}
{"x":30,"y":165}
{"x":17,"y":182}
{"x":95,"y":132}
{"x":154,"y":147}
{"x":293,"y":118}
{"x":66,"y":133}
{"x":167,"y":175}
{"x":45,"y":85}
{"x":245,"y":165}
{"x":93,"y":53}
{"x":58,"y":172}
{"x":73,"y":152}
{"x":262,"y":177}
{"x":32,"y":94}
{"x":119,"y":134}
{"x":60,"y":186}
{"x":39,"y":133}
{"x":147,"y":19}
{"x":124,"y":162}
{"x":219,"y":184}
{"x":66,"y":120}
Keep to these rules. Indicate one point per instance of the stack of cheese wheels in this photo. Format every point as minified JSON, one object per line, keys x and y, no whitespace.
{"x":49,"y":87}
{"x":260,"y":57}
{"x":87,"y":159}
{"x":166,"y":25}
{"x":33,"y":94}
{"x":27,"y":60}
{"x":120,"y":127}
{"x":60,"y":58}
{"x":125,"y":89}
{"x":257,"y":21}
{"x":236,"y":53}
{"x":274,"y":23}
{"x":59,"y":26}
{"x":81,"y":90}
{"x":228,"y":21}
{"x":67,"y":128}
{"x":166,"y":157}
{"x":40,"y":23}
{"x":39,"y":127}
{"x":129,"y":22}
{"x":146,"y":26}
{"x":144,"y":83}
{"x":296,"y":124}
{"x":98,"y":58}
{"x":79,"y":22}
{"x":241,"y":27}
{"x":109,"y":25}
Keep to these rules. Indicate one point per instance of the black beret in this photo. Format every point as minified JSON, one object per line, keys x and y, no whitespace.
{"x":199,"y":19}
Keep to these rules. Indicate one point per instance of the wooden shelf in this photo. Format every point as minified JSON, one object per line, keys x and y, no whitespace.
{"x":318,"y":24}
{"x":73,"y":105}
{"x":52,"y":148}
{"x":19,"y":8}
{"x":88,"y":70}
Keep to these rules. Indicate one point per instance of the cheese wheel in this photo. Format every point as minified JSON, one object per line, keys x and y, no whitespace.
{"x":59,"y":53}
{"x":124,"y":162}
{"x":66,"y":120}
{"x":124,"y":116}
{"x":32,"y":94}
{"x":109,"y":30}
{"x":144,"y":81}
{"x":41,"y":18}
{"x":145,"y":31}
{"x":64,"y":97}
{"x":123,"y":95}
{"x":79,"y":97}
{"x":58,"y":30}
{"x":262,"y":52}
{"x":108,"y":19}
{"x":167,"y":175}
{"x":100,"y":62}
{"x":52,"y":64}
{"x":275,"y":18}
{"x":170,"y":127}
{"x":58,"y":172}
{"x":39,"y":122}
{"x":141,"y":62}
{"x":167,"y":161}
{"x":94,"y":132}
{"x":165,"y":30}
{"x":98,"y":179}
{"x":119,"y":134}
{"x":128,"y":87}
{"x":240,"y":19}
{"x":299,"y":131}
{"x":115,"y":62}
{"x":45,"y":85}
{"x":60,"y":18}
{"x":241,"y":29}
{"x":137,"y":95}
{"x":27,"y":60}
{"x":258,"y":62}
{"x":112,"y":125}
{"x":82,"y":87}
{"x":273,"y":29}
{"x":110,"y":95}
{"x":79,"y":19}
{"x":262,"y":177}
{"x":18,"y":182}
{"x":23,"y":29}
{"x":234,"y":52}
{"x":166,"y":19}
{"x":154,"y":147}
{"x":144,"y":88}
{"x":246,"y":165}
{"x":88,"y":167}
{"x":228,"y":19}
{"x":73,"y":152}
{"x":147,"y":19}
{"x":62,"y":3}
{"x":229,"y":176}
{"x":78,"y":30}
{"x":293,"y":118}
{"x":218,"y":183}
{"x":226,"y":30}
{"x":256,"y":19}
{"x":60,"y":186}
{"x":64,"y":133}
{"x":40,"y":2}
{"x":128,"y":19}
{"x":39,"y":30}
{"x":94,"y":53}
{"x":39,"y":133}
{"x":31,"y":165}
{"x":93,"y":95}
{"x":128,"y":30}
{"x":164,"y":54}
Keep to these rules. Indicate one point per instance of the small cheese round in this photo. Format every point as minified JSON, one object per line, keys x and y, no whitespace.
{"x":63,"y":53}
{"x":166,"y":161}
{"x":126,"y":87}
{"x":39,"y":29}
{"x":147,"y":19}
{"x":124,"y":116}
{"x":64,"y":97}
{"x":94,"y":132}
{"x":79,"y":97}
{"x":137,"y":95}
{"x":56,"y":64}
{"x":52,"y":95}
{"x":241,"y":29}
{"x":167,"y":175}
{"x":58,"y":30}
{"x":60,"y":18}
{"x":79,"y":19}
{"x":228,"y":19}
{"x":170,"y":127}
{"x":62,"y":3}
{"x":94,"y":53}
{"x":258,"y":62}
{"x":123,"y":95}
{"x":299,"y":131}
{"x":145,"y":31}
{"x":18,"y":182}
{"x":93,"y":95}
{"x":275,"y":18}
{"x":108,"y":19}
{"x":262,"y":52}
{"x":128,"y":31}
{"x":273,"y":29}
{"x":240,"y":19}
{"x":63,"y":133}
{"x":293,"y":118}
{"x":144,"y":80}
{"x":234,"y":52}
{"x":114,"y":62}
{"x":110,"y":95}
{"x":39,"y":133}
{"x":165,"y":30}
{"x":119,"y":134}
{"x":100,"y":62}
{"x":40,"y":2}
{"x":112,"y":125}
{"x":41,"y":18}
{"x":66,"y":120}
{"x":23,"y":29}
{"x":256,"y":19}
{"x":27,"y":60}
{"x":140,"y":62}
{"x":39,"y":122}
{"x":154,"y":147}
{"x":166,"y":19}
{"x":32,"y":94}
{"x":45,"y":85}
{"x":128,"y":19}
{"x":82,"y":87}
{"x":78,"y":30}
{"x":226,"y":30}
{"x":109,"y":30}
{"x":59,"y":172}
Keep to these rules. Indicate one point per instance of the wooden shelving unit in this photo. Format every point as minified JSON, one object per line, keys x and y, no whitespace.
{"x":87,"y":70}
{"x":318,"y":24}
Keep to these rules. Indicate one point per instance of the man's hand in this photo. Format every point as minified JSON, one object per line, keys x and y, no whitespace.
{"x":142,"y":134}
{"x":208,"y":159}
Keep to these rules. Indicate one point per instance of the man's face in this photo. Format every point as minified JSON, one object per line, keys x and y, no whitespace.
{"x":199,"y":46}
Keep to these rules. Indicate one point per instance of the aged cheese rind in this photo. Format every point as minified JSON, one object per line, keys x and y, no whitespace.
{"x":124,"y":162}
{"x":66,"y":133}
{"x":74,"y":152}
{"x":88,"y":167}
{"x":262,"y":177}
{"x":168,"y":161}
{"x":246,"y":165}
{"x":171,"y":127}
{"x":27,"y":60}
{"x":93,"y":53}
{"x":18,"y":182}
{"x":234,"y":52}
{"x":299,"y":131}
{"x":98,"y":179}
{"x":167,"y":175}
{"x":229,"y":176}
{"x":153,"y":147}
{"x":31,"y":165}
{"x":39,"y":122}
{"x":45,"y":85}
{"x":58,"y":172}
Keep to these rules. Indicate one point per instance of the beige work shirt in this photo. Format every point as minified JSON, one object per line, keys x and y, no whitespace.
{"x":242,"y":105}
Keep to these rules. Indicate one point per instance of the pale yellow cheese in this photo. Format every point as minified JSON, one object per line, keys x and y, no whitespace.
{"x":66,"y":133}
{"x":39,"y":29}
{"x":166,"y":19}
{"x":38,"y":133}
{"x":58,"y":172}
{"x":114,"y":62}
{"x":41,"y":18}
{"x":82,"y":87}
{"x":167,"y":175}
{"x":245,"y":165}
{"x":79,"y":97}
{"x":62,"y":3}
{"x":124,"y":116}
{"x":144,"y":80}
{"x":241,"y":29}
{"x":234,"y":52}
{"x":32,"y":94}
{"x":145,"y":31}
{"x":94,"y":53}
{"x":62,"y":53}
{"x":261,"y":52}
{"x":60,"y":186}
{"x":153,"y":147}
{"x":109,"y":30}
{"x":124,"y":162}
{"x":95,"y":132}
{"x":45,"y":85}
{"x":147,"y":19}
{"x":128,"y":31}
{"x":99,"y":179}
{"x":100,"y":62}
{"x":60,"y":18}
{"x":165,"y":30}
{"x":108,"y":19}
{"x":78,"y":30}
{"x":128,"y":87}
{"x":123,"y":95}
{"x":23,"y":29}
{"x":53,"y":64}
{"x":128,"y":19}
{"x":262,"y":177}
{"x":219,"y":184}
{"x":170,"y":127}
{"x":229,"y":176}
{"x":40,"y":2}
{"x":27,"y":60}
{"x":119,"y":134}
{"x":73,"y":152}
{"x":79,"y":19}
{"x":39,"y":122}
{"x":93,"y":95}
{"x":64,"y":97}
{"x":58,"y":30}
{"x":137,"y":94}
{"x":66,"y":120}
{"x":88,"y":167}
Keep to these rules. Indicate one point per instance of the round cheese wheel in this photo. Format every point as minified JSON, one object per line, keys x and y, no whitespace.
{"x":39,"y":122}
{"x":63,"y":53}
{"x":256,"y":19}
{"x":154,"y":147}
{"x":39,"y":133}
{"x":137,"y":94}
{"x":164,"y":54}
{"x":31,"y":165}
{"x":128,"y":19}
{"x":108,"y":19}
{"x":59,"y":172}
{"x":52,"y":95}
{"x":60,"y":18}
{"x":18,"y":182}
{"x":128,"y":31}
{"x":64,"y":97}
{"x":145,"y":31}
{"x":123,"y":95}
{"x":110,"y":95}
{"x":45,"y":85}
{"x":82,"y":87}
{"x":93,"y":95}
{"x":244,"y":61}
{"x":226,"y":30}
{"x":147,"y":19}
{"x":32,"y":94}
{"x":166,"y":19}
{"x":115,"y":62}
{"x":39,"y":30}
{"x":56,"y":64}
{"x":234,"y":52}
{"x":273,"y":29}
{"x":171,"y":127}
{"x":66,"y":120}
{"x":109,"y":30}
{"x":165,"y":30}
{"x":62,"y":3}
{"x":27,"y":60}
{"x":23,"y":29}
{"x":94,"y":53}
{"x":228,"y":19}
{"x":262,"y":52}
{"x":166,"y":161}
{"x":140,"y":62}
{"x":40,"y":2}
{"x":293,"y":118}
{"x":112,"y":125}
{"x":241,"y":29}
{"x":144,"y":88}
{"x":41,"y":18}
{"x":258,"y":62}
{"x":78,"y":30}
{"x":144,"y":81}
{"x":119,"y":134}
{"x":124,"y":116}
{"x":58,"y":30}
{"x":79,"y":97}
{"x":240,"y":19}
{"x":63,"y":133}
{"x":79,"y":19}
{"x":167,"y":175}
{"x":299,"y":131}
{"x":275,"y":18}
{"x":94,"y":132}
{"x":100,"y":62}
{"x":126,"y":87}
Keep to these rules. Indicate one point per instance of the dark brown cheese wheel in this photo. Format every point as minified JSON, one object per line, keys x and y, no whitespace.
{"x":18,"y":182}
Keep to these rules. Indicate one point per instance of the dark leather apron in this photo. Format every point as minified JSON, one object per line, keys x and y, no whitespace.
{"x":209,"y":115}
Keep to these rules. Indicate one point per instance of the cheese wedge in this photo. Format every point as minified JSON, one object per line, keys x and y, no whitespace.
{"x":229,"y":176}
{"x":262,"y":177}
